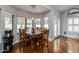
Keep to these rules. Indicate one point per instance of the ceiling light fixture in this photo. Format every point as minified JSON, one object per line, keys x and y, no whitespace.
{"x":33,"y":6}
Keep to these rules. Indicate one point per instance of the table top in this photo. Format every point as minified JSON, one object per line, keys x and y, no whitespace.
{"x":34,"y":33}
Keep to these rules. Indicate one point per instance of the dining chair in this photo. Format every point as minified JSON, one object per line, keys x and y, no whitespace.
{"x":44,"y":41}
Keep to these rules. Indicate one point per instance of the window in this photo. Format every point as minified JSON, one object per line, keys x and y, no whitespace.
{"x":46,"y":22}
{"x":37,"y":21}
{"x":70,"y":21}
{"x":56,"y":27}
{"x":73,"y":20}
{"x":70,"y":28}
{"x":8,"y":21}
{"x":20,"y":23}
{"x":73,"y":24}
{"x":73,"y":11}
{"x":29,"y":23}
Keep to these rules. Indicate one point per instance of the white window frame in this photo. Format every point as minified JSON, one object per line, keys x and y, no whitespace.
{"x":57,"y":30}
{"x":46,"y":25}
{"x":37,"y":25}
{"x":8,"y":16}
{"x":21,"y":26}
{"x":29,"y":26}
{"x":73,"y":18}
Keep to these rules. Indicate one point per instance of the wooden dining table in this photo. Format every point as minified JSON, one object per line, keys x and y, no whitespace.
{"x":32,"y":42}
{"x":34,"y":38}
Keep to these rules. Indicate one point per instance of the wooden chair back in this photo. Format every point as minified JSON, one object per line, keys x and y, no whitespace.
{"x":22,"y":34}
{"x":44,"y":41}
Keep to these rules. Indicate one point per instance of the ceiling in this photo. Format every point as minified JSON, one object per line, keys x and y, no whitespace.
{"x":62,"y":8}
{"x":42,"y":9}
{"x":28,"y":8}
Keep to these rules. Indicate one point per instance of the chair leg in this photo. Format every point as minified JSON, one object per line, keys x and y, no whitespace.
{"x":31,"y":46}
{"x":47,"y":47}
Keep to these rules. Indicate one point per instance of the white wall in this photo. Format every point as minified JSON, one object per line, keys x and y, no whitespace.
{"x":52,"y":15}
{"x":2,"y":20}
{"x":64,"y":24}
{"x":0,"y":27}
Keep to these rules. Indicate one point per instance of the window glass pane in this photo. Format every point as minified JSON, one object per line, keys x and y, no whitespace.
{"x":76,"y":28}
{"x":20,"y":23}
{"x":70,"y":28}
{"x":55,"y":29}
{"x":46,"y":22}
{"x":70,"y":21}
{"x":8,"y":21}
{"x":29,"y":22}
{"x":23,"y":23}
{"x":76,"y":21}
{"x":37,"y":20}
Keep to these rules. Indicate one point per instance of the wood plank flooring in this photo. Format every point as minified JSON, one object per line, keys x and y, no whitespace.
{"x":19,"y":48}
{"x":71,"y":45}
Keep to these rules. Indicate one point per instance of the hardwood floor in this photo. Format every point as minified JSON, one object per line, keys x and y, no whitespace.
{"x":19,"y":48}
{"x":71,"y":45}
